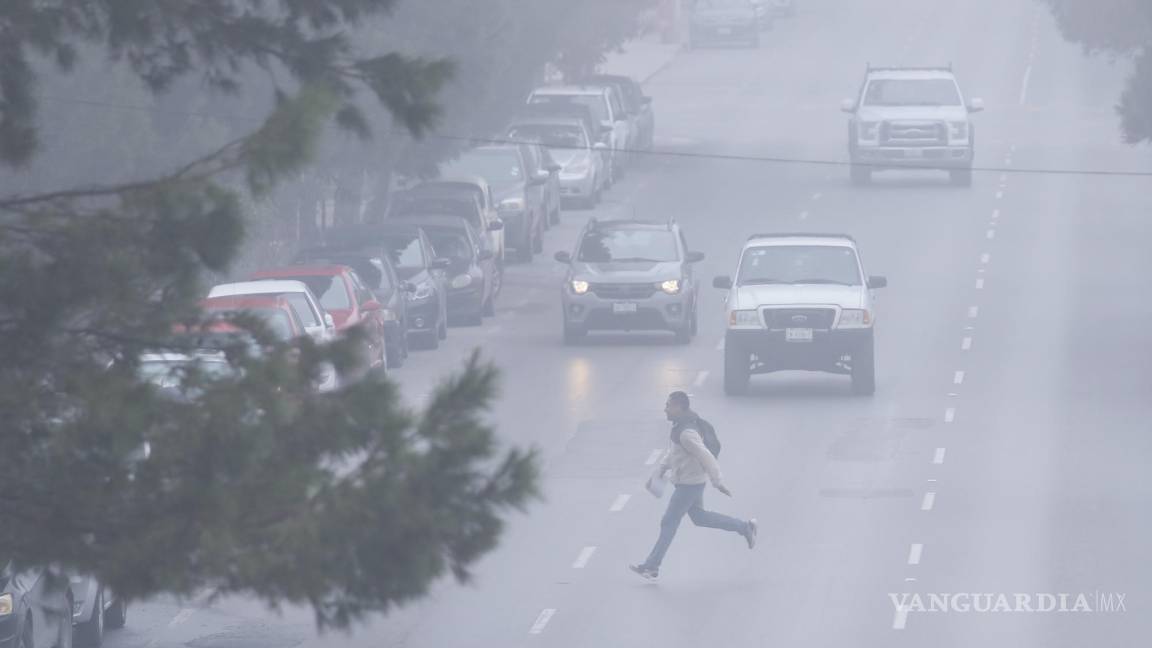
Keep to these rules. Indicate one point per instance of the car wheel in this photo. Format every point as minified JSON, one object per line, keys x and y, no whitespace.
{"x":864,"y":369}
{"x":432,"y":340}
{"x":116,"y":615}
{"x":64,"y":638}
{"x":737,"y":370}
{"x":91,"y":632}
{"x":961,"y":177}
{"x":573,"y":334}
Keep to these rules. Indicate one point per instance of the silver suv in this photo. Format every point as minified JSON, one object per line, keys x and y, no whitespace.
{"x":800,"y":302}
{"x":630,"y":275}
{"x":911,"y":118}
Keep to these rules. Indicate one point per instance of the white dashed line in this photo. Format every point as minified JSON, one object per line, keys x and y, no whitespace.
{"x":958,"y":378}
{"x":914,"y":553}
{"x":979,"y":284}
{"x":950,"y":415}
{"x":619,"y":503}
{"x":817,"y":196}
{"x":929,"y":501}
{"x":653,"y":457}
{"x":966,"y":344}
{"x":803,"y":215}
{"x":1003,"y":178}
{"x":973,"y":311}
{"x":995,"y":214}
{"x":999,"y":195}
{"x":985,"y":258}
{"x":991,"y":234}
{"x":939,"y":457}
{"x":584,"y":557}
{"x":901,"y":618}
{"x":700,"y":378}
{"x":542,"y":620}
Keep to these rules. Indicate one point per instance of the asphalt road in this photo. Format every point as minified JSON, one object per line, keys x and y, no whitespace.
{"x":1005,"y":450}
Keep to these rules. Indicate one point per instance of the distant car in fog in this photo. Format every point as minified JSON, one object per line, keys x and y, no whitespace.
{"x":470,"y":198}
{"x":582,"y":175}
{"x":799,"y":302}
{"x":317,"y":322}
{"x":636,"y":104}
{"x":630,"y":275}
{"x":606,"y":109}
{"x":724,"y":21}
{"x":911,"y":118}
{"x":474,"y":278}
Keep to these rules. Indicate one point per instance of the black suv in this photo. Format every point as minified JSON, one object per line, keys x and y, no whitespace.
{"x":474,"y":277}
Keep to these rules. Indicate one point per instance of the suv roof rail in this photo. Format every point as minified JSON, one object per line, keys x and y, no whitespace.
{"x":801,"y":235}
{"x":923,"y":68}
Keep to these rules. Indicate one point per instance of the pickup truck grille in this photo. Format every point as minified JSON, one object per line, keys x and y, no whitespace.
{"x":623,"y":290}
{"x":906,"y":133}
{"x":814,"y":318}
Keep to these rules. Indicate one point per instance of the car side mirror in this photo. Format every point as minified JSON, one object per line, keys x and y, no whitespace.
{"x":441,"y":263}
{"x":485,"y":255}
{"x":563,"y":257}
{"x":496,"y":225}
{"x":723,"y":282}
{"x":848,"y":106}
{"x":328,"y":321}
{"x":600,"y":146}
{"x":975,"y":105}
{"x":877,"y":282}
{"x":694,"y":257}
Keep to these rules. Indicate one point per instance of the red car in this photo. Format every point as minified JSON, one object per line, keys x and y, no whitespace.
{"x":276,"y":312}
{"x":345,"y":296}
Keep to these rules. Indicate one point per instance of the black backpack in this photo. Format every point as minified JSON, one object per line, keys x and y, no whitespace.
{"x":708,"y":436}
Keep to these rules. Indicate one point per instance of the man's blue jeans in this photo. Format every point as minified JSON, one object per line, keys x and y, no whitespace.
{"x":688,"y":499}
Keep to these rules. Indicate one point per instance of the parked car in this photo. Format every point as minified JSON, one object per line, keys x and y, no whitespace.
{"x":724,"y":21}
{"x":345,"y":296}
{"x":582,"y":176}
{"x":95,"y":609}
{"x":474,"y":278}
{"x":636,"y":103}
{"x":416,"y":263}
{"x":520,"y":189}
{"x":275,"y":312}
{"x":35,"y":608}
{"x":606,"y":109}
{"x":468,"y":198}
{"x":317,"y":322}
{"x":373,"y":264}
{"x":543,"y":165}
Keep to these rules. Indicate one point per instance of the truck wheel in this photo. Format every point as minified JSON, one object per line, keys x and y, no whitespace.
{"x":864,"y":369}
{"x":961,"y":177}
{"x":861,"y":175}
{"x":737,"y":370}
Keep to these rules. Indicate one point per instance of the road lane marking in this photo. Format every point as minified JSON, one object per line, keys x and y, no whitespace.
{"x":999,"y":195}
{"x":958,"y":377}
{"x":973,"y":311}
{"x":700,"y":378}
{"x":979,"y":284}
{"x":991,"y":233}
{"x":542,"y":620}
{"x":950,"y":415}
{"x":914,"y":553}
{"x":985,"y":258}
{"x":803,"y":215}
{"x":995,"y":214}
{"x":929,"y":501}
{"x":939,"y":458}
{"x":654,"y":456}
{"x":619,"y":503}
{"x":584,"y":557}
{"x":1024,"y":85}
{"x":817,"y":196}
{"x":966,"y":344}
{"x":1003,"y":178}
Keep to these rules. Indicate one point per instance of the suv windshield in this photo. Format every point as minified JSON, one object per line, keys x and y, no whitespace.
{"x":596,"y":102}
{"x":912,"y":92}
{"x":499,"y":166}
{"x":405,"y":250}
{"x":603,"y":246}
{"x":559,"y":136}
{"x":450,"y":244}
{"x":799,"y":264}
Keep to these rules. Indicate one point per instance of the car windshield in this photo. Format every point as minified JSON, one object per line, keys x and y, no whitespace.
{"x":464,"y":208}
{"x":300,"y":304}
{"x":604,"y":246}
{"x":800,"y":264}
{"x":451,"y":245}
{"x":330,"y":288}
{"x":405,"y":250}
{"x":912,"y":92}
{"x":596,"y":102}
{"x":168,"y":372}
{"x":278,"y":322}
{"x":557,"y":136}
{"x":499,"y":166}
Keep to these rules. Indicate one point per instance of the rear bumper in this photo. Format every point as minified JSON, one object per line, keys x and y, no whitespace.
{"x":825,"y":352}
{"x":658,"y":312}
{"x":919,"y":157}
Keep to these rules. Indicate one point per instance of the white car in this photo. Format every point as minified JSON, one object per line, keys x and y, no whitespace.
{"x":800,"y":302}
{"x":606,"y":108}
{"x":582,"y":174}
{"x":911,"y":118}
{"x":317,"y":322}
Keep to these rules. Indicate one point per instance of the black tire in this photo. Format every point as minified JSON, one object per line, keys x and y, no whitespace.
{"x":65,"y":637}
{"x":574,"y":334}
{"x":960,"y":177}
{"x":90,"y":634}
{"x":737,"y":370}
{"x":864,"y":369}
{"x":432,"y":340}
{"x":860,"y":174}
{"x":538,"y":240}
{"x":116,"y":616}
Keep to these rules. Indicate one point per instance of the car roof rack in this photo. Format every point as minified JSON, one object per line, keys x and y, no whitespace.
{"x":801,"y":235}
{"x":908,"y":68}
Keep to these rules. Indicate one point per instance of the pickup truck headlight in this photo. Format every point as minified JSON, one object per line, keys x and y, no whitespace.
{"x":745,"y":318}
{"x":5,"y":605}
{"x":868,"y":130}
{"x":579,"y":287}
{"x":511,"y":204}
{"x":671,"y":287}
{"x":958,"y":130}
{"x":854,"y":318}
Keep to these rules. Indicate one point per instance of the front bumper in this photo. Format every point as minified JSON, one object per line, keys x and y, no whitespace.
{"x":725,"y":33}
{"x":516,"y":233}
{"x":657,"y":312}
{"x":825,"y":352}
{"x":466,"y":301}
{"x":916,"y":157}
{"x":575,"y":187}
{"x":423,"y":316}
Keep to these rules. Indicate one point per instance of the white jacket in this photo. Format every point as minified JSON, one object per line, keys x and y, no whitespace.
{"x":689,"y":462}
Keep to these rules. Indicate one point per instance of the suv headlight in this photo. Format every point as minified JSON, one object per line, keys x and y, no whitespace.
{"x":5,"y":604}
{"x":868,"y":130}
{"x":462,"y":280}
{"x":579,"y":287}
{"x":745,"y":318}
{"x":671,"y":287}
{"x":854,"y":318}
{"x":958,"y":130}
{"x":511,"y":204}
{"x":423,"y":291}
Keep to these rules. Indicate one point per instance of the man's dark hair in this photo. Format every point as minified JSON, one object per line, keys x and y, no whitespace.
{"x":680,"y":398}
